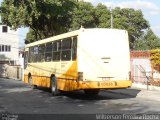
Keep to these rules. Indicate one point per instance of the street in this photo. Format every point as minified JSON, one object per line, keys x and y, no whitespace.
{"x":18,"y":98}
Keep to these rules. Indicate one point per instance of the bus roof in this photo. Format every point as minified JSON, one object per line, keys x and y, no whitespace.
{"x":57,"y":37}
{"x":65,"y":35}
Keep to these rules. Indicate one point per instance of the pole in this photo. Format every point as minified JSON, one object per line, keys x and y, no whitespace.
{"x":111,"y":19}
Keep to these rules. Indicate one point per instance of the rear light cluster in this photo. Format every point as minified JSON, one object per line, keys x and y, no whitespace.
{"x":80,"y":76}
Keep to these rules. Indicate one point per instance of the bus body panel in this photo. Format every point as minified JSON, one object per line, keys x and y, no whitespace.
{"x":102,"y":62}
{"x":104,"y":55}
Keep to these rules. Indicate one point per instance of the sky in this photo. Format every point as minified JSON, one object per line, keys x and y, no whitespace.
{"x":150,"y":9}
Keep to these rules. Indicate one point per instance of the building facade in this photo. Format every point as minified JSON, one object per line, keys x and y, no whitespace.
{"x":9,"y":45}
{"x":9,"y":48}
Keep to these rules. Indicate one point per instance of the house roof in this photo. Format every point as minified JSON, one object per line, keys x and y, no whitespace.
{"x":140,"y":54}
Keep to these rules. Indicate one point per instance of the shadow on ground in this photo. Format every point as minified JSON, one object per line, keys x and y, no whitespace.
{"x":19,"y":86}
{"x":103,"y":95}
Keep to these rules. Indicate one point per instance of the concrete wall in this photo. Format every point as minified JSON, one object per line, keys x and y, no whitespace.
{"x":8,"y":71}
{"x":2,"y":70}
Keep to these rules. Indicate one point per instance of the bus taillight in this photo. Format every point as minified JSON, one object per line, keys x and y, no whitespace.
{"x":80,"y":76}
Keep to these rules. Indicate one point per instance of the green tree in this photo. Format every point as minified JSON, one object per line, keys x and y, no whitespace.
{"x":102,"y":16}
{"x":155,"y":58}
{"x":148,"y":41}
{"x":132,"y":21}
{"x":83,"y":16}
{"x":45,"y":18}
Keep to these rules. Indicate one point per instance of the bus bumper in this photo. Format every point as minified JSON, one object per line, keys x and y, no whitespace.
{"x":105,"y":84}
{"x":82,"y":85}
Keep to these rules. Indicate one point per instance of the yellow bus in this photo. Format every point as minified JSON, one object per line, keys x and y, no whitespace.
{"x":85,"y":59}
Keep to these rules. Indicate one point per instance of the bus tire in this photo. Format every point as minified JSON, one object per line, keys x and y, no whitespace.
{"x":91,"y":91}
{"x":30,"y":82}
{"x":54,"y":87}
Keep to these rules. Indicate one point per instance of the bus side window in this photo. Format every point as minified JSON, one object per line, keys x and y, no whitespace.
{"x":66,"y":49}
{"x":48,"y":52}
{"x":56,"y":50}
{"x":25,"y":59}
{"x":31,"y":54}
{"x":74,"y":48}
{"x":35,"y":54}
{"x":41,"y":55}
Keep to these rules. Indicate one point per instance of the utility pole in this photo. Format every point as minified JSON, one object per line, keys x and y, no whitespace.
{"x":111,"y":17}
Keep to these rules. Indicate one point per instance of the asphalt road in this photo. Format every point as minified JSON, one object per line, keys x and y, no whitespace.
{"x":17,"y":98}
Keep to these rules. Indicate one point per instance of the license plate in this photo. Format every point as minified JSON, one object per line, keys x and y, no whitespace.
{"x":107,"y":83}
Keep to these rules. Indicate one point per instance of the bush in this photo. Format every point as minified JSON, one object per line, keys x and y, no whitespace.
{"x":155,"y":59}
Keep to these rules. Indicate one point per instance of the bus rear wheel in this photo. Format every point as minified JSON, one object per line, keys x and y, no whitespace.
{"x":54,"y":87}
{"x":30,"y":83}
{"x":91,"y":91}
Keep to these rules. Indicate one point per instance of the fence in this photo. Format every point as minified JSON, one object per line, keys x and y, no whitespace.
{"x":142,"y":71}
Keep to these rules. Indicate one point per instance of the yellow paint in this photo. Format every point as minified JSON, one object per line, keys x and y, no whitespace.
{"x":26,"y":79}
{"x":38,"y":80}
{"x":72,"y":72}
{"x":41,"y":81}
{"x":68,"y":81}
{"x":69,"y":85}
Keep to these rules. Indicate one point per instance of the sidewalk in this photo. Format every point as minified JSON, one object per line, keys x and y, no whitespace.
{"x":139,"y":93}
{"x":149,"y":94}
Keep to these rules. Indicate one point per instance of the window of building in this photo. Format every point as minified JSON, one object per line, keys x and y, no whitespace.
{"x":9,"y":48}
{"x":5,"y":48}
{"x":4,"y":29}
{"x":48,"y":52}
{"x":2,"y":48}
{"x":56,"y":50}
{"x":66,"y":49}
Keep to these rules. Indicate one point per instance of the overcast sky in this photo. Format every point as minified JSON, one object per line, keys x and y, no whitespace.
{"x":150,"y":9}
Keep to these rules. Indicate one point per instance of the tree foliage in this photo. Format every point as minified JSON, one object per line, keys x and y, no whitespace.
{"x":155,"y":58}
{"x":47,"y":18}
{"x":132,"y":21}
{"x":100,"y":16}
{"x":82,"y":16}
{"x":148,"y":41}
